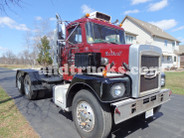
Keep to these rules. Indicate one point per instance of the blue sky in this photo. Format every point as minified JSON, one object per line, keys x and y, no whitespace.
{"x":167,"y":14}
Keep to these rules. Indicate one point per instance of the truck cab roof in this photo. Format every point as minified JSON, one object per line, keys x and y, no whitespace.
{"x":98,"y":21}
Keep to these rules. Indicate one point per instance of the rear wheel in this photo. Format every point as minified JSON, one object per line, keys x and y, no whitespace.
{"x":91,"y":118}
{"x":20,"y":83}
{"x":27,"y":89}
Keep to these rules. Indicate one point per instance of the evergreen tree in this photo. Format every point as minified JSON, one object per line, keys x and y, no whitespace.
{"x":44,"y":52}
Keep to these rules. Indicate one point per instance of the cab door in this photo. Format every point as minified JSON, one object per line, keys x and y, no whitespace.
{"x":74,"y":43}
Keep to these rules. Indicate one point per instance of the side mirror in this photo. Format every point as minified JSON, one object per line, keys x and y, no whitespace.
{"x":61,"y":30}
{"x":60,"y":35}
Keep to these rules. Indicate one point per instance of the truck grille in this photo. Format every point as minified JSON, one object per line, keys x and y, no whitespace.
{"x":152,"y":81}
{"x":149,"y":61}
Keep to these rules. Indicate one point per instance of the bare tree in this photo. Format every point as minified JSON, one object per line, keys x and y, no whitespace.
{"x":29,"y":55}
{"x":3,"y":60}
{"x":6,"y":4}
{"x":33,"y":39}
{"x":9,"y":57}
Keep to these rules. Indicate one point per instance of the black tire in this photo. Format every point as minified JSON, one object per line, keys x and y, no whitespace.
{"x":102,"y":116}
{"x":27,"y":89}
{"x":20,"y":83}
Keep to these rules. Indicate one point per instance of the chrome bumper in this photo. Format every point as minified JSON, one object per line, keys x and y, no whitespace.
{"x":129,"y":108}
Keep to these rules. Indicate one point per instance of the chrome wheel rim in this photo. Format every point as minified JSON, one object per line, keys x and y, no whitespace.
{"x":27,"y":88}
{"x":19,"y":81}
{"x":85,"y":116}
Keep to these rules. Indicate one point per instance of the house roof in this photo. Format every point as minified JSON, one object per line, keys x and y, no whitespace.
{"x":152,"y":29}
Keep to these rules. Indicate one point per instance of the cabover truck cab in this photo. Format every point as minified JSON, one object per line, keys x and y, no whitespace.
{"x":98,"y":77}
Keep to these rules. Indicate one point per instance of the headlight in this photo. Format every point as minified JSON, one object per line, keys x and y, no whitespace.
{"x":162,"y":82}
{"x":117,"y":90}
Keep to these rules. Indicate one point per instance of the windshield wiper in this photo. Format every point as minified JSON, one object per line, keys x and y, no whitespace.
{"x":112,"y":42}
{"x":104,"y":41}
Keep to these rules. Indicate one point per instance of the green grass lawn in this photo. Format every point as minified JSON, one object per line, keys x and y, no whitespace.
{"x":12,"y":123}
{"x":14,"y":66}
{"x":175,"y":82}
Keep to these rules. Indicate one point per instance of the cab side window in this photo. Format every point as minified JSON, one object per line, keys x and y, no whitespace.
{"x":76,"y":36}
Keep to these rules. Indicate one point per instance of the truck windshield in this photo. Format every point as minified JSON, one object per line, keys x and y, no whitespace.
{"x":97,"y":33}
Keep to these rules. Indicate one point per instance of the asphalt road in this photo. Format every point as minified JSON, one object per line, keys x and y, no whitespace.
{"x":50,"y":122}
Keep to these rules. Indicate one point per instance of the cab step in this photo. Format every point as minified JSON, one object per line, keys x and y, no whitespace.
{"x":59,"y":95}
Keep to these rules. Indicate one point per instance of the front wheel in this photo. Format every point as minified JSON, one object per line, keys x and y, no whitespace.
{"x":92,"y":119}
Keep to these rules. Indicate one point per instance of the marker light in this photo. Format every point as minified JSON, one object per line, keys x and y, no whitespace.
{"x":87,"y":15}
{"x":104,"y":73}
{"x":120,"y":25}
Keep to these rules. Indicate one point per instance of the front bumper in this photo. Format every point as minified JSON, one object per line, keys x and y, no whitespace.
{"x":129,"y":108}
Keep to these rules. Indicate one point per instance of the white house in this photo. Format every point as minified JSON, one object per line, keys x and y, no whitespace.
{"x":140,"y":32}
{"x":181,"y":52}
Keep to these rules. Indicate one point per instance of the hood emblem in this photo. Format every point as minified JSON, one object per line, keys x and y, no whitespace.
{"x":113,"y":53}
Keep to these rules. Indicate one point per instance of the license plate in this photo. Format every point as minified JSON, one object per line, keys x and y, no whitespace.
{"x":149,"y":113}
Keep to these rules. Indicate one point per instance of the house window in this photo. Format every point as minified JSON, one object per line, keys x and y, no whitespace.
{"x":165,"y":42}
{"x":173,"y":44}
{"x":174,"y":58}
{"x":129,"y":39}
{"x":169,"y":59}
{"x":162,"y":58}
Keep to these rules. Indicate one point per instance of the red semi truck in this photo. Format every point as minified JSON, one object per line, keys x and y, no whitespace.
{"x":98,"y":77}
